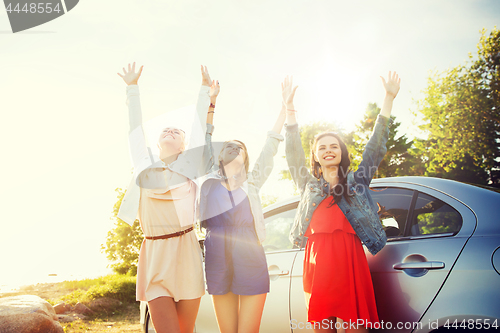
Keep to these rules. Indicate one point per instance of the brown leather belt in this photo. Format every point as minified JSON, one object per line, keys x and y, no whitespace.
{"x":175,"y":234}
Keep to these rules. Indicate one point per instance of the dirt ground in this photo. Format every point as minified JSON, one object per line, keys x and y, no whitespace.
{"x":125,"y":321}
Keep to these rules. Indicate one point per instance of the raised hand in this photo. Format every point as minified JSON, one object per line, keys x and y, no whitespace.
{"x":205,"y":77}
{"x":214,"y":90}
{"x":392,"y":84}
{"x":287,"y":92}
{"x":130,"y":76}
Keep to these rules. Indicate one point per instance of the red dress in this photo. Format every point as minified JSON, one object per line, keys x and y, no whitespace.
{"x":336,"y":273}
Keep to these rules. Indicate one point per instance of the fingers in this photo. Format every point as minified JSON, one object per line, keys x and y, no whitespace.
{"x":392,"y":76}
{"x":120,"y":75}
{"x":204,"y":73}
{"x":287,"y":82}
{"x":131,"y":68}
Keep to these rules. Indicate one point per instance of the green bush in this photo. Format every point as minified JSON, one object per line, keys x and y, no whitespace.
{"x":120,"y":287}
{"x":115,"y":286}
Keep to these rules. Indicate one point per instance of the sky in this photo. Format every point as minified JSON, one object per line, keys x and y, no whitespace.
{"x":64,"y":118}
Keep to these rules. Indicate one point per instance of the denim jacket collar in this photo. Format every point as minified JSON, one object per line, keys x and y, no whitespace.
{"x":325,"y":186}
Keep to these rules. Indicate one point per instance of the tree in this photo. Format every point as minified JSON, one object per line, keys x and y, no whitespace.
{"x":398,"y":161}
{"x":462,"y":118}
{"x":123,"y":242}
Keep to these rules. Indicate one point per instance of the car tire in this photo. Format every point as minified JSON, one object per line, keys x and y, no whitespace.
{"x":148,"y":323}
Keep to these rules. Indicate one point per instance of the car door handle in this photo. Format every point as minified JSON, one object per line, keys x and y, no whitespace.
{"x":278,"y":273}
{"x":419,"y":265}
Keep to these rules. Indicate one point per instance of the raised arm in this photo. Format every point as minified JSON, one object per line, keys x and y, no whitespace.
{"x":137,"y":143}
{"x":288,"y":93}
{"x":376,"y":148}
{"x":265,"y":163}
{"x":131,"y":78}
{"x":208,"y":153}
{"x":295,"y":156}
{"x":391,"y":87}
{"x":200,"y":152}
{"x":214,"y":92}
{"x":199,"y":128}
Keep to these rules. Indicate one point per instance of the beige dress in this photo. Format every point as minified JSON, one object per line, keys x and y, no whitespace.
{"x":169,"y":267}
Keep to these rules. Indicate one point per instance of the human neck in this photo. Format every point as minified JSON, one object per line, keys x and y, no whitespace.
{"x":232,"y":171}
{"x":331,"y":175}
{"x":168,"y":156}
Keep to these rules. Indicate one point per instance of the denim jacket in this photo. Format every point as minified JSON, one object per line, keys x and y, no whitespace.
{"x":193,"y":163}
{"x":361,"y":212}
{"x":255,"y":179}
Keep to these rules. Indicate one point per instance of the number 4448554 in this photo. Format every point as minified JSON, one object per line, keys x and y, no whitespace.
{"x":34,"y":8}
{"x":472,"y":324}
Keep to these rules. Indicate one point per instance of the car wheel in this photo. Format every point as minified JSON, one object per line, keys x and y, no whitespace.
{"x":148,"y":323}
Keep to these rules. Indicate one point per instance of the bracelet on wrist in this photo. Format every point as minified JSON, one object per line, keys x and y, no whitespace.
{"x":211,"y":111}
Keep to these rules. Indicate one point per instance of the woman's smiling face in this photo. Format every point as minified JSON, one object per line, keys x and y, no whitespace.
{"x":328,"y":152}
{"x":173,"y":137}
{"x":233,"y":151}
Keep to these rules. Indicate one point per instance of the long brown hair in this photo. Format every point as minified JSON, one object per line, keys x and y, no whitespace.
{"x":245,"y":159}
{"x":340,"y":189}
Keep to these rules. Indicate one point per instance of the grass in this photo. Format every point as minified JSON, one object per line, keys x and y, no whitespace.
{"x":119,"y":287}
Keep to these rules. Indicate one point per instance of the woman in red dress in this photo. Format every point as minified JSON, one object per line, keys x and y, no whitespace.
{"x":333,"y":214}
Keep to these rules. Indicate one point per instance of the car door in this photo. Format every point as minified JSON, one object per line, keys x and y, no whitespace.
{"x":426,"y":230}
{"x":298,"y":311}
{"x":280,"y":257}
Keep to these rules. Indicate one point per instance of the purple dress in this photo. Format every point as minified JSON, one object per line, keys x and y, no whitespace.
{"x":234,"y":259}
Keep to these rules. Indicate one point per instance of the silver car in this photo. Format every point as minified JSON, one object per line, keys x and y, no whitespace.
{"x":439,"y":269}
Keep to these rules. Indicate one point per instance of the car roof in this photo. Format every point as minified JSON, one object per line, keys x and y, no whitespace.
{"x":479,"y":199}
{"x":473,"y":196}
{"x":281,"y":203}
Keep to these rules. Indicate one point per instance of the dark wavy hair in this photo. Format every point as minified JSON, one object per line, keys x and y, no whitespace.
{"x":340,"y":189}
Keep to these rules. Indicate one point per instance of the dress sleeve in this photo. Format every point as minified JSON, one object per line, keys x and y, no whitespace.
{"x":141,"y":155}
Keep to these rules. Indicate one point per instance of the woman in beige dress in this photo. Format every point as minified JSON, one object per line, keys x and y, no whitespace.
{"x":162,"y":194}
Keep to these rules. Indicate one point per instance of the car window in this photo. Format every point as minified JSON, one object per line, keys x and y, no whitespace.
{"x":432,"y":216}
{"x":278,"y":228}
{"x":393,"y":206}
